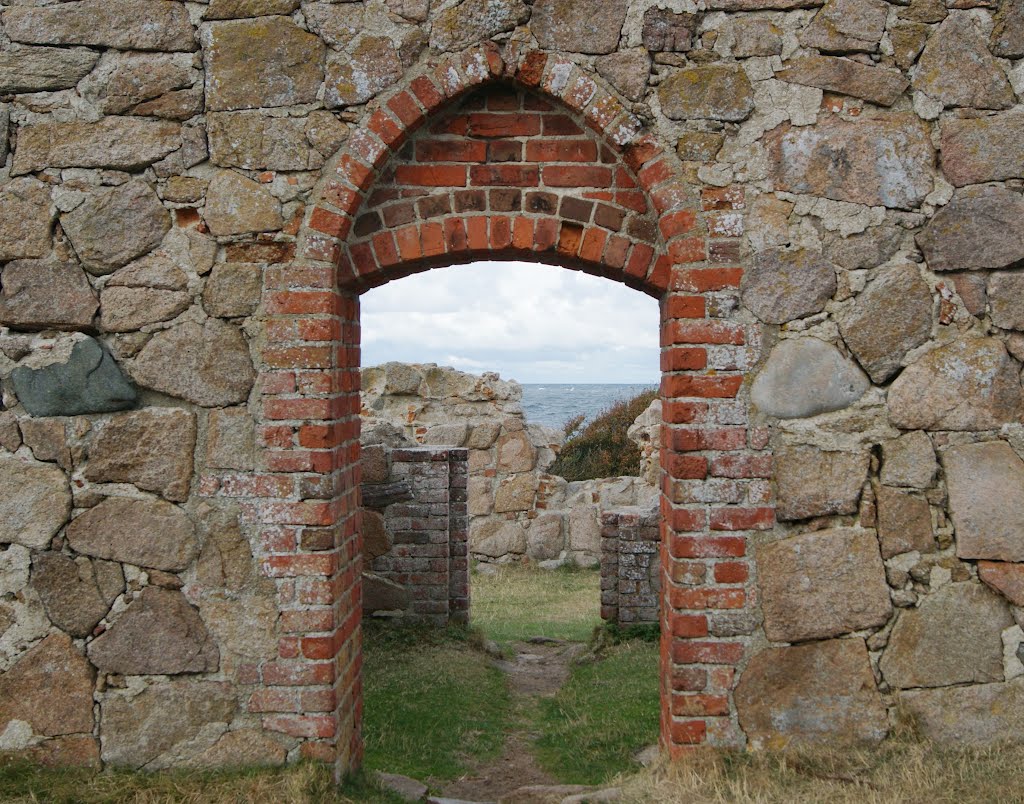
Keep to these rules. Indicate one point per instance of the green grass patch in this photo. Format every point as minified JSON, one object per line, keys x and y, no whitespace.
{"x":606,"y":712}
{"x":433,"y":703}
{"x":518,"y":602}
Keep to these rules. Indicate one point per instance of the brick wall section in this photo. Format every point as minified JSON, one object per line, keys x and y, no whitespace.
{"x":630,"y":566}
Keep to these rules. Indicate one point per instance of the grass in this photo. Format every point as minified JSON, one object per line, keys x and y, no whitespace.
{"x":433,"y":705}
{"x":517,"y":602}
{"x":604,"y":714}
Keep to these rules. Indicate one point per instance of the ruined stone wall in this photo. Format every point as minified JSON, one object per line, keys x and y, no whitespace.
{"x":824,"y":194}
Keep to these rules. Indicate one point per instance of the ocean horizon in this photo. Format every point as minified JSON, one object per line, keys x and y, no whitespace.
{"x":553,"y":404}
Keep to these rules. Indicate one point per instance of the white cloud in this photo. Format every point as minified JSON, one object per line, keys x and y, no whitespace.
{"x":534,"y":323}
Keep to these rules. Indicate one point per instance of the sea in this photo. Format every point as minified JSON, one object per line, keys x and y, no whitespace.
{"x":553,"y":404}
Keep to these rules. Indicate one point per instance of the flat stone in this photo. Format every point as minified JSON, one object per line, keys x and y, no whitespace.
{"x":47,"y":438}
{"x":138,"y":729}
{"x":756,"y":37}
{"x":151,"y":448}
{"x":146,"y":533}
{"x":977,"y":229}
{"x":157,"y":270}
{"x":957,"y":68}
{"x":972,"y":288}
{"x":26,"y":226}
{"x":889,"y":318}
{"x":515,"y":493}
{"x":904,"y":523}
{"x":383,"y":594}
{"x":115,"y":225}
{"x":881,"y":85}
{"x":208,"y":365}
{"x":376,"y":539}
{"x":699,"y":146}
{"x":226,"y":560}
{"x":821,"y":692}
{"x":43,"y":69}
{"x":667,"y":31}
{"x":970,"y":384}
{"x":253,"y":141}
{"x":515,"y":452}
{"x":1008,"y":35}
{"x":822,"y":584}
{"x":627,"y":71}
{"x":1005,"y":294}
{"x":45,"y":294}
{"x":710,"y":92}
{"x":805,"y":377}
{"x":145,"y":83}
{"x":978,"y":475}
{"x":35,"y":501}
{"x":980,"y":149}
{"x":909,"y":461}
{"x":245,"y":627}
{"x":121,"y":24}
{"x":908,"y":40}
{"x":337,"y":24}
{"x":544,"y":541}
{"x":159,"y":633}
{"x":244,"y":748}
{"x":953,"y":637}
{"x":130,"y":309}
{"x":76,"y":593}
{"x":450,"y":435}
{"x":585,"y":529}
{"x":371,"y":68}
{"x":120,"y":143}
{"x":237,"y":9}
{"x":89,"y":381}
{"x":237,"y":205}
{"x":977,"y":715}
{"x":457,"y":27}
{"x":50,"y":688}
{"x":780,"y":286}
{"x":497,"y":538}
{"x":401,"y":786}
{"x":578,"y":26}
{"x":886,"y":160}
{"x":289,"y":71}
{"x":813,"y":482}
{"x":847,"y":26}
{"x":1005,"y":578}
{"x":231,"y":440}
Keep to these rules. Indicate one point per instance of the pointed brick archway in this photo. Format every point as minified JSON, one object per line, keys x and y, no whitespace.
{"x":515,"y":155}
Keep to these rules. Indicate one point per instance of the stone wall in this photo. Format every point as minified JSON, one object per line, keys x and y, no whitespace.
{"x":825,"y":195}
{"x":630,"y":566}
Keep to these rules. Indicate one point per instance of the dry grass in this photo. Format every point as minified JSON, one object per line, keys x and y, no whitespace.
{"x":519,"y":602}
{"x":903,"y":770}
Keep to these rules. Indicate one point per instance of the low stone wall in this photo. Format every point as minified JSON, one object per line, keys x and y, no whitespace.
{"x":630,"y":566}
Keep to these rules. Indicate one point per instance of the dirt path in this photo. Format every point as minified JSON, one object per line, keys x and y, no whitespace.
{"x":537,"y":671}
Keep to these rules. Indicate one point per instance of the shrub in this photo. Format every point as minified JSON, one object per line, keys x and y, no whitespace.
{"x":601,"y":448}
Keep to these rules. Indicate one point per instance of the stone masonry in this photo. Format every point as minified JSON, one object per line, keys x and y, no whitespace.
{"x":824,"y":195}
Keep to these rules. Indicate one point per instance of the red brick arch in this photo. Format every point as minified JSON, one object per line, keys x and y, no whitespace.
{"x":412,"y":190}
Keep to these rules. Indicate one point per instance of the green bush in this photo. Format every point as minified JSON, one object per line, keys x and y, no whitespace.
{"x":601,"y":448}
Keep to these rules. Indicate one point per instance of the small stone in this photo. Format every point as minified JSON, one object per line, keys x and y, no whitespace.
{"x":26,"y":225}
{"x":821,"y":692}
{"x":121,"y":24}
{"x":908,"y":40}
{"x":929,"y":11}
{"x":226,"y":560}
{"x":244,"y":627}
{"x":237,"y":9}
{"x":76,"y":593}
{"x":977,"y":475}
{"x":35,"y":501}
{"x":909,"y":461}
{"x":49,"y":688}
{"x":449,"y":435}
{"x":457,"y":27}
{"x":977,"y":229}
{"x":237,"y":205}
{"x":544,"y":538}
{"x":953,"y":637}
{"x":47,"y":440}
{"x":357,"y":77}
{"x":45,"y":294}
{"x":231,"y":440}
{"x":889,"y":318}
{"x":805,"y":377}
{"x":515,"y":493}
{"x":115,"y":225}
{"x":1008,"y":36}
{"x":336,"y":24}
{"x":822,"y":584}
{"x":497,"y":538}
{"x":146,"y":533}
{"x":980,"y":149}
{"x":813,"y":482}
{"x":15,"y":561}
{"x":516,"y":453}
{"x":1005,"y":578}
{"x":10,"y":435}
{"x":129,"y":309}
{"x":868,"y":249}
{"x":89,"y":381}
{"x":880,"y":85}
{"x":970,"y":384}
{"x":184,"y":190}
{"x":376,"y":539}
{"x":383,"y":594}
{"x":977,"y":715}
{"x":1005,"y":293}
{"x":289,"y":70}
{"x":885,"y":160}
{"x":627,"y":71}
{"x":325,"y":132}
{"x":699,"y":146}
{"x":667,"y":31}
{"x":782,"y":285}
{"x":244,"y":748}
{"x":972,"y":288}
{"x":119,"y":143}
{"x":957,"y":68}
{"x":847,"y":26}
{"x":904,"y":523}
{"x":756,"y":37}
{"x":401,"y":786}
{"x":208,"y":365}
{"x":146,"y":84}
{"x":139,"y":728}
{"x":253,"y":141}
{"x":43,"y":69}
{"x":151,"y":448}
{"x":159,"y":633}
{"x":585,"y":529}
{"x":233,"y":289}
{"x":713,"y":92}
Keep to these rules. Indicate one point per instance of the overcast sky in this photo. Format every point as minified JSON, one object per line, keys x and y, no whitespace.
{"x":532,"y":323}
